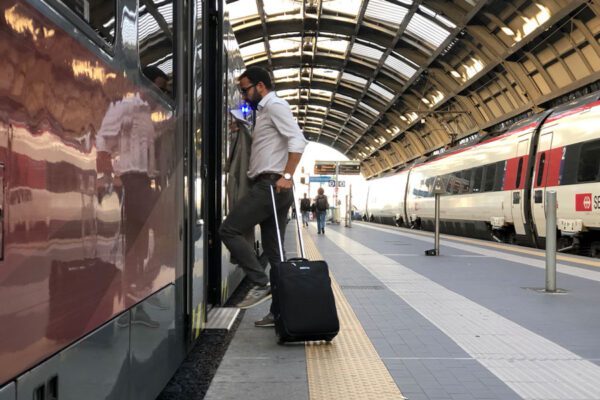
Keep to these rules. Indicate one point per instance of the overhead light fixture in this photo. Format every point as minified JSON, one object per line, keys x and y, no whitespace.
{"x":455,"y":74}
{"x":422,"y":120}
{"x":508,"y":31}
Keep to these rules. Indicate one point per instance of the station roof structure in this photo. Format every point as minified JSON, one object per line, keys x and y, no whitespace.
{"x":388,"y":81}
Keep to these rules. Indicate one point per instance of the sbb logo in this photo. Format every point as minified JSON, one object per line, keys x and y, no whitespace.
{"x":583,"y":202}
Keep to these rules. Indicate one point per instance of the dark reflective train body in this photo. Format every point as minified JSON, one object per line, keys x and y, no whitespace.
{"x":106,"y":252}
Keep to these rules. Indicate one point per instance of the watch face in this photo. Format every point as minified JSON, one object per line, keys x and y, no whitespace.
{"x":287,"y":176}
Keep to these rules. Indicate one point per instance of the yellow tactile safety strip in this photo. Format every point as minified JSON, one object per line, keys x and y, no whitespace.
{"x":349,"y":367}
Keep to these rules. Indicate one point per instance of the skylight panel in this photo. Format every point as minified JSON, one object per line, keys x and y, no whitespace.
{"x":473,"y":67}
{"x":346,"y":76}
{"x":284,"y":45}
{"x":252,"y":50}
{"x":273,"y":7}
{"x":350,"y":7}
{"x":358,"y":122}
{"x":426,"y":30}
{"x":437,"y":17}
{"x":311,"y":129}
{"x":314,"y":119}
{"x":321,"y":93}
{"x":400,"y":66}
{"x":318,"y":109}
{"x":327,"y":73}
{"x":368,"y":108}
{"x":287,"y":93}
{"x":335,"y":45}
{"x":332,"y":124}
{"x":241,"y":9}
{"x":366,"y":51}
{"x":347,"y":99}
{"x":384,"y":11}
{"x":381,"y":91}
{"x":337,"y":113}
{"x":283,"y":73}
{"x":148,"y":24}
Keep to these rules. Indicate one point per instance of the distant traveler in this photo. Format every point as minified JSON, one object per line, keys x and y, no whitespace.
{"x":277,"y":146}
{"x":321,"y":205}
{"x":305,"y":209}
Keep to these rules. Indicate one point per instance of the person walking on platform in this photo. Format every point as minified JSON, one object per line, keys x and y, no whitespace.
{"x":305,"y":209}
{"x":277,"y":146}
{"x":321,"y":205}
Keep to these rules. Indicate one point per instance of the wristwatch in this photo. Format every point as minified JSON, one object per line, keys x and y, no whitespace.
{"x":287,"y":176}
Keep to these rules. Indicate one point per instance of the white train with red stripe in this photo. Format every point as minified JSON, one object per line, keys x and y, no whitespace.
{"x":497,"y":188}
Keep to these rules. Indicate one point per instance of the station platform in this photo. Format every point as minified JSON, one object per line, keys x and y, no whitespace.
{"x":468,"y":324}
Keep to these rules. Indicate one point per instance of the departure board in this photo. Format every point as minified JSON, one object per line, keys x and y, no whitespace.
{"x":325,"y":167}
{"x":344,"y":167}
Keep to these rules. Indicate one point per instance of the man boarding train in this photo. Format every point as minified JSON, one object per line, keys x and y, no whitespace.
{"x":277,"y":146}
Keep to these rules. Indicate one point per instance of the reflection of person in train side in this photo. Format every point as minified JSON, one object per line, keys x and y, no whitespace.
{"x":125,"y":148}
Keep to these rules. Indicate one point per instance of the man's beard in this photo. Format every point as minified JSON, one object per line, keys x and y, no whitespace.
{"x":254,"y":101}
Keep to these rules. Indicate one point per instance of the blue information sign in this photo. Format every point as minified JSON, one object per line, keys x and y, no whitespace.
{"x":319,"y":179}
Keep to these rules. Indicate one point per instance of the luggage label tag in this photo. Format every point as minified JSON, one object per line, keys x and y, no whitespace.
{"x":302,"y":267}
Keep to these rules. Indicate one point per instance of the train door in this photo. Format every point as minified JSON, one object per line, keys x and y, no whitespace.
{"x":194,"y":181}
{"x":517,"y":200}
{"x":542,"y":166}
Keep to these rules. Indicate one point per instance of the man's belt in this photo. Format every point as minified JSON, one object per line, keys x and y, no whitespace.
{"x":267,"y":176}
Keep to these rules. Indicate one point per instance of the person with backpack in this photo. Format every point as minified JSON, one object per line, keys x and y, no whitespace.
{"x":321,"y":205}
{"x":305,"y":209}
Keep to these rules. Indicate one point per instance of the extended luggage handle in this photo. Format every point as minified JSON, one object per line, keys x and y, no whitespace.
{"x":298,"y":230}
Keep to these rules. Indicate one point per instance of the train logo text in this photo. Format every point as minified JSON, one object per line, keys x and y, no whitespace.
{"x":583,"y":202}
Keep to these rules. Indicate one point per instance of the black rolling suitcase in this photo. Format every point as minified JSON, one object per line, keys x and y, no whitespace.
{"x":303,"y":302}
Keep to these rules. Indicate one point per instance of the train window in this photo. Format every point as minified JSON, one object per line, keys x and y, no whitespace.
{"x":589,"y":163}
{"x":429,"y":184}
{"x":467,"y":175}
{"x":568,"y":173}
{"x":519,"y":172}
{"x":454,"y":179}
{"x":477,"y":178}
{"x":540,"y":169}
{"x":499,"y":179}
{"x":157,"y":42}
{"x":489,"y":176}
{"x":100,"y":15}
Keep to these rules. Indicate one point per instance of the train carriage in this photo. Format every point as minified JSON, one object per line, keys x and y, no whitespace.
{"x":568,"y":162}
{"x":496,"y":189}
{"x":112,"y":181}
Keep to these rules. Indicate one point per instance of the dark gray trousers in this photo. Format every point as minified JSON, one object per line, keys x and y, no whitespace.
{"x":256,"y":208}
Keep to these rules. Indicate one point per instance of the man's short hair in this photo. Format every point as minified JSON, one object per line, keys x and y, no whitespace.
{"x":256,"y":75}
{"x":152,"y":72}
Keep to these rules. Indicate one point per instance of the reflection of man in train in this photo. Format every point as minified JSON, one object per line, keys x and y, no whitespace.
{"x":125,"y":148}
{"x":277,"y":146}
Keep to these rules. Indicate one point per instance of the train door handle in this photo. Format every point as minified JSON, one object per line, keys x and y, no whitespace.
{"x":516,"y":197}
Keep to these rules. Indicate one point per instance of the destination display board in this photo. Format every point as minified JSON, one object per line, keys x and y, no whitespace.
{"x":324,"y":167}
{"x":344,"y":167}
{"x":349,"y":168}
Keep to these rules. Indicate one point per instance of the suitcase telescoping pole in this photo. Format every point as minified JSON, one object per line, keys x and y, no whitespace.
{"x":298,"y":230}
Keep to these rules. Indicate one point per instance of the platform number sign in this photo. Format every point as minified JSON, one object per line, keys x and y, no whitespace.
{"x":331,"y":183}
